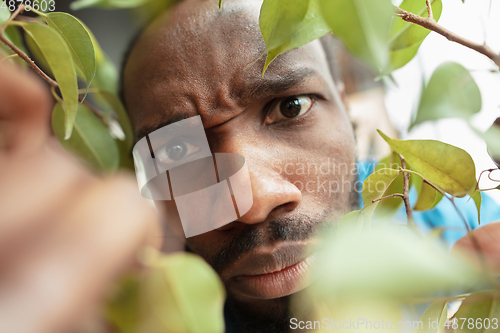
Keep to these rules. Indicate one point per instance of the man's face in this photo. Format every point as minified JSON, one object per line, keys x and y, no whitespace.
{"x":289,"y":126}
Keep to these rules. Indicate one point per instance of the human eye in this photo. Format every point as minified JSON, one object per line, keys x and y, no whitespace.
{"x":289,"y":107}
{"x":175,"y":150}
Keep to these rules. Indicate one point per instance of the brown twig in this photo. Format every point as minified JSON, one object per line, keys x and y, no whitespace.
{"x":429,"y":9}
{"x":30,"y":62}
{"x":394,"y":195}
{"x":406,"y":194}
{"x":431,"y":24}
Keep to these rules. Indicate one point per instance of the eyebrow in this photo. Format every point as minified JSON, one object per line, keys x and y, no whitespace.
{"x":257,"y":90}
{"x":268,"y":87}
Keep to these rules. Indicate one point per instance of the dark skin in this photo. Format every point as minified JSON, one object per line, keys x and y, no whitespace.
{"x":193,"y":62}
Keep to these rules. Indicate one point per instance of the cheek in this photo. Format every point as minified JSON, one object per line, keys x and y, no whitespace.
{"x":322,"y":163}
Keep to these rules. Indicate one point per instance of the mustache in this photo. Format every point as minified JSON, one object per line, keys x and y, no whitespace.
{"x":296,"y":228}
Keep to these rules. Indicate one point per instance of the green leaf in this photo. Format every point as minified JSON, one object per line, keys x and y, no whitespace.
{"x":106,"y":77}
{"x":437,"y":311}
{"x":279,"y":19}
{"x":376,"y":184}
{"x":220,"y":4}
{"x":79,"y":42}
{"x":451,"y":92}
{"x":109,"y":4}
{"x":363,"y":26}
{"x":480,"y":305}
{"x":427,"y":196}
{"x":492,"y":139}
{"x":405,"y":34}
{"x":124,"y":146}
{"x":477,"y":197}
{"x":448,"y":167}
{"x":310,"y":27}
{"x":90,"y":139}
{"x":401,"y":57}
{"x":59,"y":58}
{"x":37,"y":55}
{"x":182,"y":293}
{"x":4,"y":15}
{"x":123,"y":308}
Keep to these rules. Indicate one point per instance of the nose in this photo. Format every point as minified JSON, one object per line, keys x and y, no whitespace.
{"x":272,"y":195}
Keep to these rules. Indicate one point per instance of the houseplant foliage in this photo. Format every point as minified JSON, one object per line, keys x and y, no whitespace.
{"x":410,"y":268}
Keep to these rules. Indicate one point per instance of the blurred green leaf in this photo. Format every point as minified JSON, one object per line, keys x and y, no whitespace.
{"x":492,"y":139}
{"x":477,"y":197}
{"x":405,"y":34}
{"x":451,"y":92}
{"x":109,"y":4}
{"x":13,"y":35}
{"x":78,"y":40}
{"x":106,"y":77}
{"x":307,"y":28}
{"x":123,"y":308}
{"x":437,"y":311}
{"x":448,"y":167}
{"x":58,"y":56}
{"x":387,"y":263}
{"x":480,"y":305}
{"x":363,"y":26}
{"x":90,"y":139}
{"x":182,"y":293}
{"x":4,"y":15}
{"x":125,"y":146}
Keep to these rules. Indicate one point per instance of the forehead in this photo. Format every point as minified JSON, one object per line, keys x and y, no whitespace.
{"x":198,"y":59}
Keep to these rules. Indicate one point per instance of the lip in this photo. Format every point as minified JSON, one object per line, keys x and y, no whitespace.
{"x":271,"y":272}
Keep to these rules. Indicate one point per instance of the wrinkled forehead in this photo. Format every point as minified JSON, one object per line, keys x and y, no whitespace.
{"x":197,"y":54}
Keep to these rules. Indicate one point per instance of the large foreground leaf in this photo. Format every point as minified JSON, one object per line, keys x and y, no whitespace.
{"x":79,"y":42}
{"x":59,"y":58}
{"x":386,"y":263}
{"x":363,"y":26}
{"x":451,"y":92}
{"x":90,"y":139}
{"x":446,"y":166}
{"x":182,"y":293}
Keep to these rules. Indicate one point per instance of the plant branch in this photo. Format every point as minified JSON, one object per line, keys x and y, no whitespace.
{"x":30,"y":62}
{"x":406,"y":193}
{"x":12,"y":17}
{"x":429,"y":9}
{"x":394,"y":195}
{"x":431,"y":24}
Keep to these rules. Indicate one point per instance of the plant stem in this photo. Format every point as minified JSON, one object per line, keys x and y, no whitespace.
{"x":30,"y":62}
{"x":9,"y":57}
{"x":406,"y":194}
{"x":431,"y":24}
{"x":429,"y":9}
{"x":12,"y":17}
{"x":394,"y":195}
